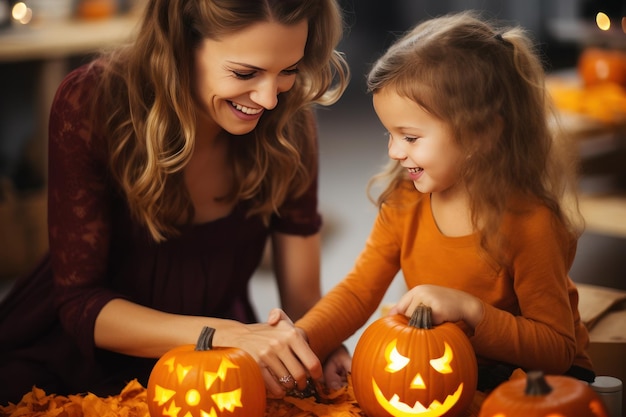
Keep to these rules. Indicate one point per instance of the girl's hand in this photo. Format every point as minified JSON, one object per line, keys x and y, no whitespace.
{"x":337,"y":367}
{"x":282,"y":352}
{"x":447,"y":304}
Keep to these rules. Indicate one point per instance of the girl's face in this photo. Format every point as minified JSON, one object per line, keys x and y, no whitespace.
{"x":240,"y":75}
{"x":422,"y":143}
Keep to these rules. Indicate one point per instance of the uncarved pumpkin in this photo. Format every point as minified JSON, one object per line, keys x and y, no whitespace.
{"x":206,"y":381}
{"x":407,"y":368}
{"x":597,"y":66}
{"x":540,"y":395}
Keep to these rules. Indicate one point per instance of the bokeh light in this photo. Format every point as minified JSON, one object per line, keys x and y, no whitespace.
{"x":22,"y":13}
{"x":603,"y":21}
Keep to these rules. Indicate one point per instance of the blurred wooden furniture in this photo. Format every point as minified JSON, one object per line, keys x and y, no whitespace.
{"x":52,"y":44}
{"x":596,"y":121}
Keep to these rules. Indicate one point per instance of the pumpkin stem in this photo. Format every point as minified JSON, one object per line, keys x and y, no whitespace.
{"x":205,"y":341}
{"x":422,"y":317}
{"x":536,"y":384}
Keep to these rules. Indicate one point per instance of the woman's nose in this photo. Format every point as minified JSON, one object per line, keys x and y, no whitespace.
{"x":266,"y":94}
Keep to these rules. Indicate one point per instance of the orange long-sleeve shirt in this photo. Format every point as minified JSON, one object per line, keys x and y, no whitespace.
{"x":531,"y":317}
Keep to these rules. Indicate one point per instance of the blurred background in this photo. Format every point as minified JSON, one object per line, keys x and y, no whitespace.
{"x":41,"y":40}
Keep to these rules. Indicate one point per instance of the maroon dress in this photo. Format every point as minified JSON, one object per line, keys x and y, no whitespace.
{"x":98,"y":253}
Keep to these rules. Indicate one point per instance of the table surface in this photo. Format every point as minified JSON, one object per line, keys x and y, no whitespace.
{"x":59,"y":39}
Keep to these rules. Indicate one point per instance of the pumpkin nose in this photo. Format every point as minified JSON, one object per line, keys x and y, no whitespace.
{"x":418,"y":382}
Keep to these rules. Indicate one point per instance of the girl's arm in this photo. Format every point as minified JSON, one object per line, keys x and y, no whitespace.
{"x":524,"y":314}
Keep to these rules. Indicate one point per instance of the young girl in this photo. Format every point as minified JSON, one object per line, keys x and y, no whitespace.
{"x":173,"y":159}
{"x":473,"y":212}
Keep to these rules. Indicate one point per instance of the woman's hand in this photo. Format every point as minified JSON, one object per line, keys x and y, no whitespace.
{"x":337,"y":367}
{"x":447,"y":304}
{"x":280,"y":349}
{"x":282,"y":352}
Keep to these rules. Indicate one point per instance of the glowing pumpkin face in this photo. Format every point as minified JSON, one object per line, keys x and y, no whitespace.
{"x":543,"y":396}
{"x":204,"y":381}
{"x":407,"y":369}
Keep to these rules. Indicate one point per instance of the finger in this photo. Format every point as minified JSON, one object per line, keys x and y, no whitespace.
{"x":276,"y":315}
{"x":286,"y":368}
{"x":288,"y":371}
{"x":402,"y":305}
{"x":400,"y":308}
{"x":288,"y":382}
{"x":296,"y":374}
{"x":334,"y":379}
{"x":296,"y":355}
{"x":306,"y":358}
{"x":273,"y":317}
{"x":393,"y":310}
{"x":275,"y":390}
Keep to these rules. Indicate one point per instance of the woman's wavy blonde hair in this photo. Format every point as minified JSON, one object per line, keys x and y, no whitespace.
{"x":488,"y":85}
{"x":150,"y":129}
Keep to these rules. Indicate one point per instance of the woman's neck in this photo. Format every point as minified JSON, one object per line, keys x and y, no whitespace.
{"x":209,"y":175}
{"x":208,"y":133}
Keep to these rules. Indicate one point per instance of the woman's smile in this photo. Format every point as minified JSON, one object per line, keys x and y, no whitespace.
{"x":239,"y":76}
{"x":245,"y":111}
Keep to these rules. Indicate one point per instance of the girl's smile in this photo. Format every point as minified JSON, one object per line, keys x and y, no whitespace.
{"x":415,"y":173}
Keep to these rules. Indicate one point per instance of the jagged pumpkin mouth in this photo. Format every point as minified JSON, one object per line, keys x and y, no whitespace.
{"x":400,"y":409}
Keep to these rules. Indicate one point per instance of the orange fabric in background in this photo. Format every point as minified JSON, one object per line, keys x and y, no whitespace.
{"x":131,"y":402}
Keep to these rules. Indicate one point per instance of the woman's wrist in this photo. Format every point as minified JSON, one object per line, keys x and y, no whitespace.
{"x":303,"y":333}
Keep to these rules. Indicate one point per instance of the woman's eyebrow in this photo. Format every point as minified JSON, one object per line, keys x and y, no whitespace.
{"x":253,"y":67}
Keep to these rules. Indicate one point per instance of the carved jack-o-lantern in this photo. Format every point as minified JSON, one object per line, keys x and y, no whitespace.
{"x":410,"y":368}
{"x":206,"y":381}
{"x":543,"y":396}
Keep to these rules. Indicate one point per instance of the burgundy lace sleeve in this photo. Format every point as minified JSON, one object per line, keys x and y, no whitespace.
{"x":79,"y":199}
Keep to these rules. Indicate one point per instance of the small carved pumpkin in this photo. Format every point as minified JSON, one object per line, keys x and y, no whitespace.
{"x":410,"y":368}
{"x":543,"y":396}
{"x":206,"y":381}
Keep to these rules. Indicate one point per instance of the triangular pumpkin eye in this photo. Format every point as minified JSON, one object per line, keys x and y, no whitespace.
{"x":442,"y":364}
{"x":395,"y":361}
{"x":228,"y":400}
{"x":210,"y":377}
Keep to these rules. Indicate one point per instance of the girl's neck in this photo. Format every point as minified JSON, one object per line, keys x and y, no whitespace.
{"x":451,"y":212}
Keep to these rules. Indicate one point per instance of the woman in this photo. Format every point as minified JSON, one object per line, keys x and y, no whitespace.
{"x":171,"y":161}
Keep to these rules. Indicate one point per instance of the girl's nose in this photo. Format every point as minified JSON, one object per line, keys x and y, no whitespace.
{"x":395,"y":150}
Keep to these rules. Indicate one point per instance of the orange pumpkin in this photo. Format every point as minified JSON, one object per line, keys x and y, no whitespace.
{"x":540,"y":395}
{"x":410,"y":368}
{"x":96,"y":9}
{"x":206,"y":381}
{"x":597,"y":66}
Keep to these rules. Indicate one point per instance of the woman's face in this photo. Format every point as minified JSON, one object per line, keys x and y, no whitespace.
{"x":422,"y":143}
{"x":240,"y":76}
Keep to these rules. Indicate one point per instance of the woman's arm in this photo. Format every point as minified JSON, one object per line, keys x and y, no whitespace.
{"x":279,"y":349}
{"x":296,"y":261}
{"x":91,"y":311}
